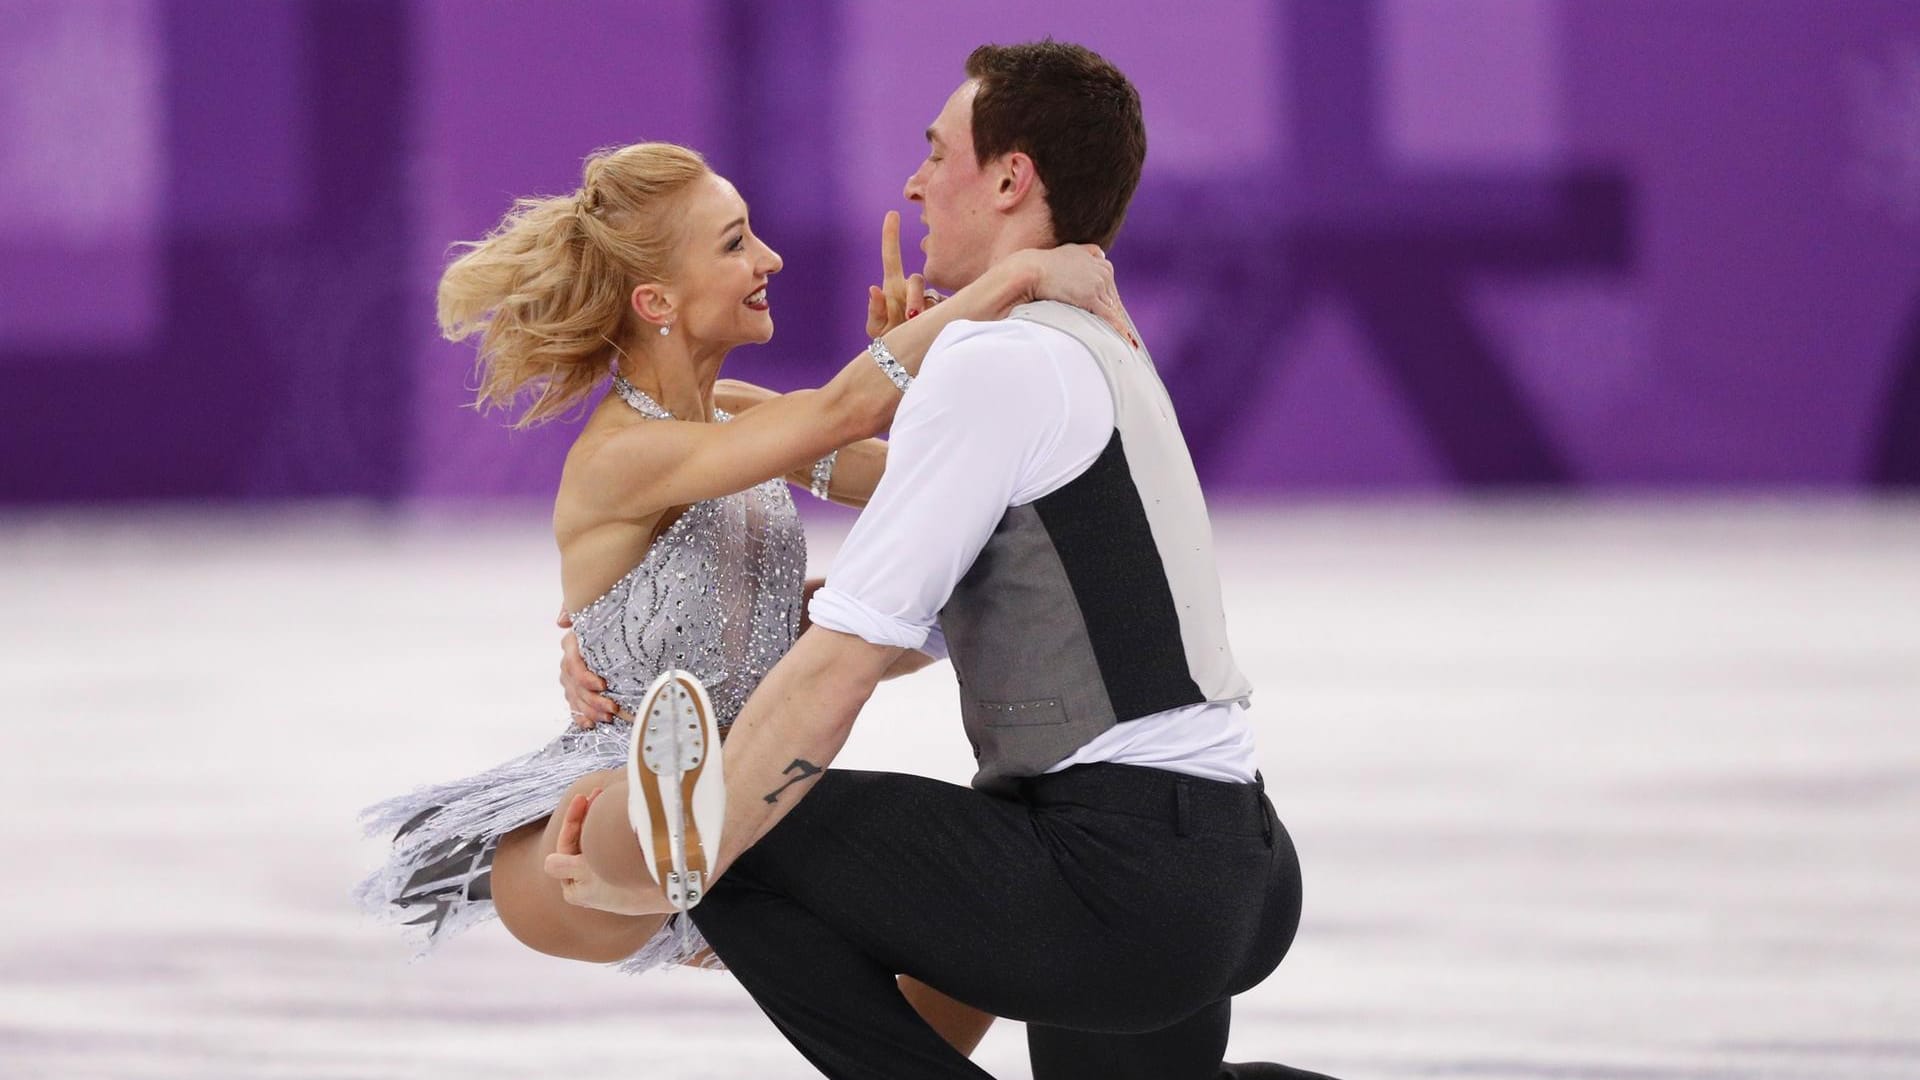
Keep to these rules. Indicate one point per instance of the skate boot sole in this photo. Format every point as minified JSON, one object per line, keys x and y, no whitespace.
{"x":675,"y":740}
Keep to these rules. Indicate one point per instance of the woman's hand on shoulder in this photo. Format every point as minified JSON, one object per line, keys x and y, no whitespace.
{"x":1077,"y":274}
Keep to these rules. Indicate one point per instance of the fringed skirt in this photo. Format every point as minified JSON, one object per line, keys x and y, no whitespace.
{"x":437,"y":880}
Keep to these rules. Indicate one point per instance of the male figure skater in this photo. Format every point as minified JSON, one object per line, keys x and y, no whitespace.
{"x":1116,"y":874}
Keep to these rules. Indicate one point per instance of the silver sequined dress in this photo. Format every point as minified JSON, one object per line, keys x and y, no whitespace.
{"x":717,"y":594}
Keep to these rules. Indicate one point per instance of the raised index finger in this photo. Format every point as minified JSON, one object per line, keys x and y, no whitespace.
{"x":890,"y":268}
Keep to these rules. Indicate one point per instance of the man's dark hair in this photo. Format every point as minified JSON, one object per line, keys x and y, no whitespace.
{"x":1079,"y":120}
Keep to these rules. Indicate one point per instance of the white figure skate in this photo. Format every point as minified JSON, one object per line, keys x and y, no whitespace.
{"x":676,"y":787}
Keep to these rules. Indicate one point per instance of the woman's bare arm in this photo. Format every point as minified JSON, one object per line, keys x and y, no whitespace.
{"x":645,"y":468}
{"x":676,"y":464}
{"x":856,"y":470}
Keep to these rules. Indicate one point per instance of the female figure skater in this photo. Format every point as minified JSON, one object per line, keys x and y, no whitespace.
{"x":678,"y":540}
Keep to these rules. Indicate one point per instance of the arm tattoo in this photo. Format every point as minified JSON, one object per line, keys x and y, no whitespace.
{"x":802,"y":769}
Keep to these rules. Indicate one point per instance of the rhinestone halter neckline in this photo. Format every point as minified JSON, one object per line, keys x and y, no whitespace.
{"x":638,"y":398}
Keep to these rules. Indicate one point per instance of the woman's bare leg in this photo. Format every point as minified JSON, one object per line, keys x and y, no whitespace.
{"x":607,"y":841}
{"x":551,"y":925}
{"x":530,"y":904}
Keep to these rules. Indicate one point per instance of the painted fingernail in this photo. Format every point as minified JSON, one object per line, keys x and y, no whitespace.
{"x":911,"y":312}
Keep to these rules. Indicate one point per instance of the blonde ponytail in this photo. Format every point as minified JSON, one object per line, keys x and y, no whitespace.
{"x":547,"y":290}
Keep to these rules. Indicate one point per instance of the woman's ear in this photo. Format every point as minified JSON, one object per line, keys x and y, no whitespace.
{"x":652,"y":304}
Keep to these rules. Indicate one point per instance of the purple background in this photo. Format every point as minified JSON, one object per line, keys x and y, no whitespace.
{"x":1387,"y":245}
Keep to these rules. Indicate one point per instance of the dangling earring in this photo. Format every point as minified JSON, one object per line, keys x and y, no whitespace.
{"x":664,"y":329}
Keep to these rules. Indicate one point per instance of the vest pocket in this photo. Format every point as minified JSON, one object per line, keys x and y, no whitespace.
{"x":1041,"y":713}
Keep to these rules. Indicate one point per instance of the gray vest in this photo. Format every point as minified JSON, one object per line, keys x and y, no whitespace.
{"x":1098,"y":603}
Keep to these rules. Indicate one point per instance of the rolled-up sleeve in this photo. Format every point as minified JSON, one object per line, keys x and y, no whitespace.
{"x":965,"y":440}
{"x":838,"y":609}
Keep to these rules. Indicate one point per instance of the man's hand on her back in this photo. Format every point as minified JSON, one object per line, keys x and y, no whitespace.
{"x":585,"y":691}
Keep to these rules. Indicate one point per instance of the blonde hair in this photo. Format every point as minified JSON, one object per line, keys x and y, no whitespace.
{"x":548,"y":289}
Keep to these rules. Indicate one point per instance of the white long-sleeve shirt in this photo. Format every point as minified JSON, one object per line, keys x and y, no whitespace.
{"x":1001,"y":414}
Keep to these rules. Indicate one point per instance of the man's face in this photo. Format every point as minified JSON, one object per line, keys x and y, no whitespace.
{"x":955,"y":197}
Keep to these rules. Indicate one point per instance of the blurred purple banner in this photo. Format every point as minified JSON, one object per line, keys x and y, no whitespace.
{"x":1381,"y":245}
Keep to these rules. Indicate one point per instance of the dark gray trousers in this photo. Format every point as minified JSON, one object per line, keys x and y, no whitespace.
{"x":1115,"y":909}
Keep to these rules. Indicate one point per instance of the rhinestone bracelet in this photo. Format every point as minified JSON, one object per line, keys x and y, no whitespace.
{"x":823,"y":474}
{"x":883,"y":356}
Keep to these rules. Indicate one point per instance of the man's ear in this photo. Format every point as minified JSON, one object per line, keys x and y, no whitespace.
{"x":1015,"y":179}
{"x":652,"y":303}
